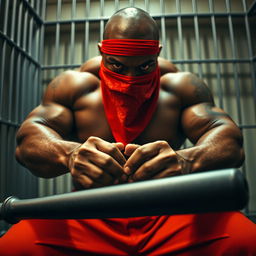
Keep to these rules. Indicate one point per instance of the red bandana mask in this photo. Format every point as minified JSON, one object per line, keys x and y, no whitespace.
{"x":129,"y":101}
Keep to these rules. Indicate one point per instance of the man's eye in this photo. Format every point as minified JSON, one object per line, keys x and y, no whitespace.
{"x":117,"y":66}
{"x":145,"y":67}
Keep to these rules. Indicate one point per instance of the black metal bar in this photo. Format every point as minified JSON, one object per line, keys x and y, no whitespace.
{"x":179,"y":25}
{"x":173,"y":61}
{"x":234,"y":55}
{"x":182,"y":15}
{"x":32,"y":11}
{"x":6,"y":16}
{"x":216,"y":53}
{"x":197,"y":37}
{"x":72,"y":35}
{"x":2,"y":74}
{"x":57,"y":34}
{"x":18,"y":89}
{"x":252,"y":9}
{"x":13,"y":19}
{"x":249,"y":42}
{"x":163,"y":30}
{"x":213,"y":191}
{"x":3,"y":157}
{"x":11,"y":85}
{"x":13,"y":44}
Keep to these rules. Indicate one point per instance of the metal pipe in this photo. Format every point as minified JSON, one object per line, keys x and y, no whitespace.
{"x":182,"y":15}
{"x":197,"y":37}
{"x":216,"y":53}
{"x":236,"y":78}
{"x":213,"y":191}
{"x":179,"y":24}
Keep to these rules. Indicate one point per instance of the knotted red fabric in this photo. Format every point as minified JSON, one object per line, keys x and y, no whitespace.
{"x":130,"y":47}
{"x":129,"y":102}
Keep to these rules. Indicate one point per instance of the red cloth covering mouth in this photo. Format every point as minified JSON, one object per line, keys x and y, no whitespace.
{"x":129,"y":102}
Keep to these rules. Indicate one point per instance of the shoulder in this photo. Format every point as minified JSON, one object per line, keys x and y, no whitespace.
{"x":189,"y":88}
{"x":69,"y":86}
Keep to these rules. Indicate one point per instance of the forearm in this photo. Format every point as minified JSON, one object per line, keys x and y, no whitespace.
{"x":43,"y":151}
{"x":221,"y":147}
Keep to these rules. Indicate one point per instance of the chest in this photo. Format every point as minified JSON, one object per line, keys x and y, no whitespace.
{"x":90,"y":120}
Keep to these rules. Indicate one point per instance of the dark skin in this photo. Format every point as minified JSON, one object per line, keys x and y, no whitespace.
{"x":69,"y":132}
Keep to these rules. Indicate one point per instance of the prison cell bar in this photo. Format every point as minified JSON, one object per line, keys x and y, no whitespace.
{"x":213,"y":191}
{"x":216,"y":53}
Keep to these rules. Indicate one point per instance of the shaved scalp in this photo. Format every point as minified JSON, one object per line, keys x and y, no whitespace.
{"x":131,"y":23}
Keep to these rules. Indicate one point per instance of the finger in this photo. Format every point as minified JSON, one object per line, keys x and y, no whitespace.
{"x":106,"y":163}
{"x":140,"y":156}
{"x":89,"y":154}
{"x":130,"y":148}
{"x":109,"y":149}
{"x":96,"y":174}
{"x":86,"y":183}
{"x":151,"y":167}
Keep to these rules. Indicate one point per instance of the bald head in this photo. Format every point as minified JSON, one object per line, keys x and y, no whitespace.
{"x":131,"y":23}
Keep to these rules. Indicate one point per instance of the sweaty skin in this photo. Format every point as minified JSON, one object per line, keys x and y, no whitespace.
{"x":68,"y":131}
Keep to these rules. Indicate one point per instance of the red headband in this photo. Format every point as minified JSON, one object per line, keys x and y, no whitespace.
{"x":130,"y":47}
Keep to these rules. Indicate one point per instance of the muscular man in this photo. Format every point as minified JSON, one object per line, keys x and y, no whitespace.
{"x":123,"y":118}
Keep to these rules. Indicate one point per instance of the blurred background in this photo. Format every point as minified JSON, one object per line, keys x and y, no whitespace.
{"x":40,"y":39}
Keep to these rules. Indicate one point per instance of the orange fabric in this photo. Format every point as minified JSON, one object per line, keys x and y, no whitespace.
{"x":129,"y":102}
{"x":213,"y":234}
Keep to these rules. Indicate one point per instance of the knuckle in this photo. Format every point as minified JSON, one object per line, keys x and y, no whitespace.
{"x":141,"y":150}
{"x":162,"y":144}
{"x":92,"y":139}
{"x":108,"y":161}
{"x":112,"y":149}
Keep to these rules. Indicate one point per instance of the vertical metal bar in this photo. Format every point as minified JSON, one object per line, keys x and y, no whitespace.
{"x":250,"y":50}
{"x":131,"y":3}
{"x":197,"y":36}
{"x":216,"y":53}
{"x":3,"y":161}
{"x":87,"y":29}
{"x":146,"y":5}
{"x":19,"y":25}
{"x":101,"y":20}
{"x":72,"y":41}
{"x":41,"y":51}
{"x":30,"y":47}
{"x":236,"y":81}
{"x":6,"y":17}
{"x":10,"y":87}
{"x":2,"y":74}
{"x":17,"y":86}
{"x":117,"y":5}
{"x":179,"y":24}
{"x":163,"y":31}
{"x":13,"y":19}
{"x":24,"y":45}
{"x":57,"y":34}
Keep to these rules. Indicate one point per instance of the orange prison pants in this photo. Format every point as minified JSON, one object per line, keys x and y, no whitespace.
{"x":211,"y":234}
